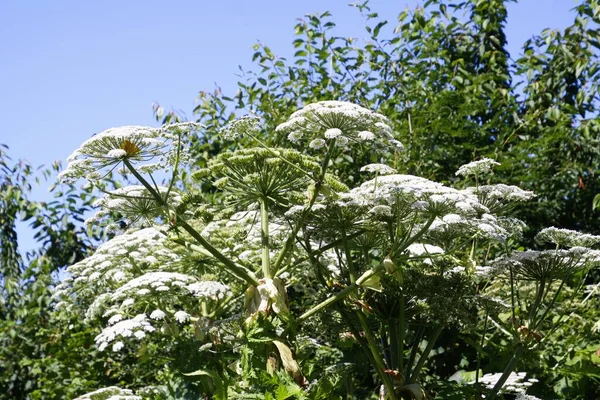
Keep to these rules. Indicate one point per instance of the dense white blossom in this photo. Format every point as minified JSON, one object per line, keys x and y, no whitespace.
{"x":114,"y":261}
{"x":140,"y":144}
{"x":346,"y":123}
{"x":517,"y":382}
{"x":477,"y":167}
{"x":110,"y":393}
{"x":181,"y":316}
{"x":248,"y":124}
{"x":381,"y":169}
{"x":567,"y":237}
{"x":546,"y":265}
{"x":496,"y":196}
{"x":123,"y":330}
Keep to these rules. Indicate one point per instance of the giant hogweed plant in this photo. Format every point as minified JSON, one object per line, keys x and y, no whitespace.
{"x":256,"y":291}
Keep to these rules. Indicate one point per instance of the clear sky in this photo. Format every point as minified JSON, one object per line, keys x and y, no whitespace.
{"x":69,"y":69}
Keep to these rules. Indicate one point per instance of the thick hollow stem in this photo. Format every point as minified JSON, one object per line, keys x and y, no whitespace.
{"x":507,"y":371}
{"x":417,"y":371}
{"x":379,"y":363}
{"x":336,"y":297}
{"x":536,"y":304}
{"x":292,"y":238}
{"x":264,"y":238}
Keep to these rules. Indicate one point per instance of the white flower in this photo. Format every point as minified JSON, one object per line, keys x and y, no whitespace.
{"x":332,"y":133}
{"x":567,"y":237}
{"x":381,"y":169}
{"x":114,"y":319}
{"x":117,"y":153}
{"x":516,"y":382}
{"x":477,"y":167}
{"x":110,"y":393}
{"x":317,"y":143}
{"x":382,"y":210}
{"x":357,"y":124}
{"x":117,"y":346}
{"x":157,"y":314}
{"x":209,"y":289}
{"x":366,"y":135}
{"x":181,"y":316}
{"x":419,"y":249}
{"x":248,"y":124}
{"x":125,"y":328}
{"x":140,"y":143}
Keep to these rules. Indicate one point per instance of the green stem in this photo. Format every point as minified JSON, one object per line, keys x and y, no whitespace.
{"x":414,"y":349}
{"x":379,"y":363}
{"x":236,"y":270}
{"x":395,"y":344}
{"x":318,"y":184}
{"x":536,"y":304}
{"x":417,"y":371}
{"x":507,"y":371}
{"x":554,"y":298}
{"x":336,"y":297}
{"x":481,"y":346}
{"x":264,"y":238}
{"x":348,"y":254}
{"x":319,"y":251}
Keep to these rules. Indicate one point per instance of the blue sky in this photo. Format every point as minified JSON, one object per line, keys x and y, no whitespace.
{"x":70,"y":69}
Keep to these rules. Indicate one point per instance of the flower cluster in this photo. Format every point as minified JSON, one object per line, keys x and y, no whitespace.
{"x":130,"y":143}
{"x":248,"y":124}
{"x":477,"y":168}
{"x":110,"y":393}
{"x":135,"y":204}
{"x":249,"y":176}
{"x":546,"y":265}
{"x":567,"y":237}
{"x":340,"y":123}
{"x":136,"y":327}
{"x":517,"y":382}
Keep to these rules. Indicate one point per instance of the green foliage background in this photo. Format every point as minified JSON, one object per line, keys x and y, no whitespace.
{"x":453,"y":93}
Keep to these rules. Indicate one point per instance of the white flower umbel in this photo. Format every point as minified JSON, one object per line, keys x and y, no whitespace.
{"x":523,"y":396}
{"x":110,"y":393}
{"x":133,"y":143}
{"x":426,"y":195}
{"x":498,"y":197}
{"x":115,"y":262}
{"x":123,"y":330}
{"x":546,"y":265}
{"x":246,"y":125}
{"x":134,"y":203}
{"x":181,"y":316}
{"x":567,"y":237}
{"x":517,"y":382}
{"x":337,"y":120}
{"x":478,"y":167}
{"x":380,"y":169}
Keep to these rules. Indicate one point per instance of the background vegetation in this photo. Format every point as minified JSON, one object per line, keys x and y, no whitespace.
{"x":442,"y":74}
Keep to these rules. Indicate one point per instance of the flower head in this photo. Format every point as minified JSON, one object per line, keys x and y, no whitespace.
{"x":132,"y":143}
{"x":346,"y":123}
{"x":477,"y":167}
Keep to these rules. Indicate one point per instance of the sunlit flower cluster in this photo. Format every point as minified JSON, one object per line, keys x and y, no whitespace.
{"x":342,"y":124}
{"x":132,"y":143}
{"x":134,"y":328}
{"x":476,"y":168}
{"x":135,"y":204}
{"x":110,"y":393}
{"x":517,"y":382}
{"x":546,"y":265}
{"x":567,"y":237}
